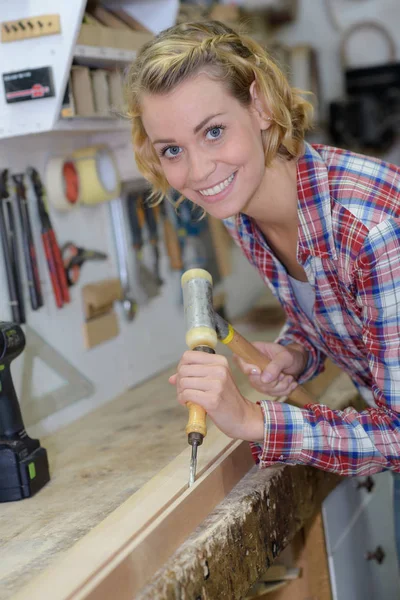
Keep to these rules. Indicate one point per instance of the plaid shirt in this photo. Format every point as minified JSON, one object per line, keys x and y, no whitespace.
{"x":349,"y":247}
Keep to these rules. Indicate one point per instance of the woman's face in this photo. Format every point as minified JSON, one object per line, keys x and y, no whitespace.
{"x":209,"y":145}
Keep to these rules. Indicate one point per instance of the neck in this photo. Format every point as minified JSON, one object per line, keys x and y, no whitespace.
{"x":274,"y":205}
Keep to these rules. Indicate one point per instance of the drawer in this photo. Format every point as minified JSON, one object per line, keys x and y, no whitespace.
{"x":344,"y":504}
{"x":353,"y":577}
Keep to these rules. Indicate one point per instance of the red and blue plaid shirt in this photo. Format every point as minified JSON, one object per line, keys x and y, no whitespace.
{"x":349,"y":247}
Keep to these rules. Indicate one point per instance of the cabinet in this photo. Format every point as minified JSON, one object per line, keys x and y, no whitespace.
{"x":359,"y":528}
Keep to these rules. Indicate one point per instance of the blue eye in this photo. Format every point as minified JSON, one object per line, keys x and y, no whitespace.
{"x":215,"y":132}
{"x":171,"y":151}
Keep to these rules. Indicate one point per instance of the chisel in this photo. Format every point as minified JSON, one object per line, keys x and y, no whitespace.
{"x":200,"y":336}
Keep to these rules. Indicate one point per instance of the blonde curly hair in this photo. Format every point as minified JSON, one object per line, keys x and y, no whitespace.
{"x":179,"y":53}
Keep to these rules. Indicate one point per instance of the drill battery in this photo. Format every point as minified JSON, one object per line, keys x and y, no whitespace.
{"x":24,"y":468}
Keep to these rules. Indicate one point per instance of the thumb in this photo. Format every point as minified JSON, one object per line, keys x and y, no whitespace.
{"x":281,"y":361}
{"x":173,"y":379}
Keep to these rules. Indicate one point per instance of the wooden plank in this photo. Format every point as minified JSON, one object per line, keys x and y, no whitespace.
{"x":96,"y":463}
{"x":119,"y":556}
{"x":229,"y":552}
{"x":317,"y":559}
{"x":99,"y":461}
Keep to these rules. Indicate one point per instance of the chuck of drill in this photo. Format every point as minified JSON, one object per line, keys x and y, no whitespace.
{"x":12,"y":343}
{"x":24,"y":467}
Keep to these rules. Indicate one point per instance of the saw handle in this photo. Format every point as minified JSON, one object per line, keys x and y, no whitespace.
{"x":245,"y":350}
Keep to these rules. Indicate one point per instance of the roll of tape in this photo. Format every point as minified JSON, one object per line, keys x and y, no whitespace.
{"x":62,"y":183}
{"x":98,"y":175}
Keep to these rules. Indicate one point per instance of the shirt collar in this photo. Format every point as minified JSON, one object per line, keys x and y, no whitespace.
{"x":314,"y":205}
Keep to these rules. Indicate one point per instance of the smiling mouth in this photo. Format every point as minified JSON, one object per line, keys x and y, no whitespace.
{"x":217,"y":189}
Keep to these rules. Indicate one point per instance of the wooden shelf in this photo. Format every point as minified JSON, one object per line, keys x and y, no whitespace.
{"x":94,"y":56}
{"x":91,"y":124}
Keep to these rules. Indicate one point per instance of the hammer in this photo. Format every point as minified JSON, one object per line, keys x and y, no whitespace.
{"x":204,"y":327}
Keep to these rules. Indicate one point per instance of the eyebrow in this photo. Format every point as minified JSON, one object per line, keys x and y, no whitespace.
{"x":195,"y":130}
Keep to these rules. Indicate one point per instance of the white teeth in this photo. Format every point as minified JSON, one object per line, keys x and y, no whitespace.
{"x":217,"y":188}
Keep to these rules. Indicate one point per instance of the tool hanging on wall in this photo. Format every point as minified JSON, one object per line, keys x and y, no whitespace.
{"x":153,"y":237}
{"x":8,"y":236}
{"x":31,"y":266}
{"x":121,"y":248}
{"x":73,"y":258}
{"x":170,"y":235}
{"x":136,"y":216}
{"x":190,"y":228}
{"x":50,"y":245}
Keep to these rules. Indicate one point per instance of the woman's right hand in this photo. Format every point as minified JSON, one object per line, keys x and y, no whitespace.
{"x":279,"y":377}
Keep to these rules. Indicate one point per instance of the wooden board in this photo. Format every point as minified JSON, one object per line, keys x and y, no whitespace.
{"x":99,"y":461}
{"x":124,"y":551}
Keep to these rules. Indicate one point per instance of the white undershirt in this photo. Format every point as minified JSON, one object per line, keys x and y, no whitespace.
{"x":305,"y":295}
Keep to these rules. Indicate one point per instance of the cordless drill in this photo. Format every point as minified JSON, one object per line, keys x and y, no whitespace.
{"x":24,"y":468}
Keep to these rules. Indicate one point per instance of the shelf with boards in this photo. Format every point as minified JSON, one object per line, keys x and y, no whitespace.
{"x":91,"y":124}
{"x":93,"y":56}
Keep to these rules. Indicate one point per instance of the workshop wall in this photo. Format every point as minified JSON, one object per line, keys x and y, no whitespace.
{"x":322,"y":25}
{"x":153,"y":341}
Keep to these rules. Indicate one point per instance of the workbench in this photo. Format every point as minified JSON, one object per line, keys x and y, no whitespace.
{"x":99,"y":461}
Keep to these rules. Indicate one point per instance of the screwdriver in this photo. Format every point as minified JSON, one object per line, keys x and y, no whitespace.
{"x":200,"y":336}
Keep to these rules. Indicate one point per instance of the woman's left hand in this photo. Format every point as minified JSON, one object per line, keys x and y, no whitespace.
{"x":206,"y":380}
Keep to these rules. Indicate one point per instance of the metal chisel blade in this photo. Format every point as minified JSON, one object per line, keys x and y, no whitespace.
{"x":193,"y":465}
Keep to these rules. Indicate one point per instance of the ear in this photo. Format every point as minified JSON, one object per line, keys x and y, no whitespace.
{"x":260,"y":112}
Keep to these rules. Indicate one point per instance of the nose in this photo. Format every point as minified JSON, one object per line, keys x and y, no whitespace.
{"x":201,"y":166}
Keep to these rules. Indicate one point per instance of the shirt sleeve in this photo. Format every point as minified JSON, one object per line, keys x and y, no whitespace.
{"x":316,"y":359}
{"x":348,"y":442}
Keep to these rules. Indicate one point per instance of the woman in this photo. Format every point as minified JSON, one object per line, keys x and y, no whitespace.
{"x":214,"y":118}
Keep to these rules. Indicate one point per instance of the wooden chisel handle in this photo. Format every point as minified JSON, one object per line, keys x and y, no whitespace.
{"x":197,"y":419}
{"x":245,"y":350}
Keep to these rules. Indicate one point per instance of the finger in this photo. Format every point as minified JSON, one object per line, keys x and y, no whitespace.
{"x":201,"y":358}
{"x":283,"y":383}
{"x":207,"y":370}
{"x":245,"y":367}
{"x":196,"y":396}
{"x":281,"y":361}
{"x":198,"y":383}
{"x":173,"y":379}
{"x":279,"y":388}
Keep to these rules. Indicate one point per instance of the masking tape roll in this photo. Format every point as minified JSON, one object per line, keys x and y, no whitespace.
{"x":62,"y":183}
{"x":99,"y":179}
